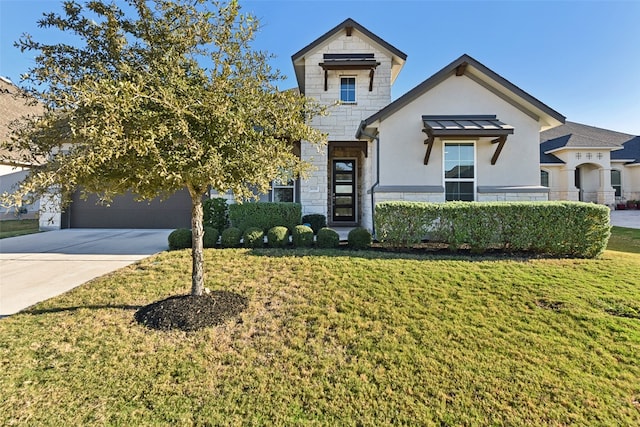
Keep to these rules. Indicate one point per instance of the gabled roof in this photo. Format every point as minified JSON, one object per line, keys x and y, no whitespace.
{"x":348,"y":25}
{"x":584,"y":135}
{"x":578,"y":136}
{"x":467,"y":66}
{"x":630,"y":151}
{"x":549,"y":159}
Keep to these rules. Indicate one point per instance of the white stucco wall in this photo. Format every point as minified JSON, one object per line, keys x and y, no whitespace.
{"x":595,"y":175}
{"x":631,"y":182}
{"x":403,"y":148}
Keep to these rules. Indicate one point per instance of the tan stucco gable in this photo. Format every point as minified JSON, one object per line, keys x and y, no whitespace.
{"x":468,"y":67}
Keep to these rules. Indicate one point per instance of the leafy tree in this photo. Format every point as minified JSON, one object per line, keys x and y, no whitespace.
{"x":155,"y":96}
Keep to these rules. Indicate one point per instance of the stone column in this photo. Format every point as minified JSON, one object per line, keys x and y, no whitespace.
{"x":570,"y":192}
{"x":606,"y":193}
{"x":313,"y":190}
{"x":50,"y":215}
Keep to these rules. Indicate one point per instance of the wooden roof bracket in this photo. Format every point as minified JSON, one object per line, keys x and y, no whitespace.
{"x":500,"y":141}
{"x":460,"y":69}
{"x":429,"y":142}
{"x":326,"y":77}
{"x":371,"y":79}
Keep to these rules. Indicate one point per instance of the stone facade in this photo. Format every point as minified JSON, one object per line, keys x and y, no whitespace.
{"x":343,"y":119}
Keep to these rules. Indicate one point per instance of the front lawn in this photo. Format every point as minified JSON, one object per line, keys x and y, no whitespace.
{"x":624,"y":240}
{"x":18,"y":227}
{"x":337,"y":338}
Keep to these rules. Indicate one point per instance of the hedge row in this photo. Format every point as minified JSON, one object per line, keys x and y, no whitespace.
{"x":265,"y":216}
{"x":277,"y":237}
{"x":556,"y":228}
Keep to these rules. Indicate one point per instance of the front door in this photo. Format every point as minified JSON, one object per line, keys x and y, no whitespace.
{"x":344,"y":191}
{"x":578,"y":182}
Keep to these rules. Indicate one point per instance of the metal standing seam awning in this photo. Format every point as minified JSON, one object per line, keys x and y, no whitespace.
{"x":466,"y":126}
{"x":349,"y":61}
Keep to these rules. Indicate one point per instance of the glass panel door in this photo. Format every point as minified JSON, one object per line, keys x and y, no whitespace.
{"x":344,"y":190}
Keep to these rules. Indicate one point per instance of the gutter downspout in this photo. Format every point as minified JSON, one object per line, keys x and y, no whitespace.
{"x":360,"y":133}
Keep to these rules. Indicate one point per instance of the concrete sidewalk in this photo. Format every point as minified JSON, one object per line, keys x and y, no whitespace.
{"x":39,"y":266}
{"x":626,"y":218}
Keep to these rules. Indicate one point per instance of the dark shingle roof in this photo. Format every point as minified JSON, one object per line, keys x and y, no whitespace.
{"x":577,"y":135}
{"x":583,"y":135}
{"x":631,"y":151}
{"x":549,"y":145}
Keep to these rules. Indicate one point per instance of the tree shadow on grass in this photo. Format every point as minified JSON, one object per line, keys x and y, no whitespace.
{"x":412,"y":254}
{"x":76,"y":308}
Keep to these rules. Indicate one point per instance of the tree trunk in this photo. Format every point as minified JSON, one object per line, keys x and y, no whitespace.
{"x":197,"y":254}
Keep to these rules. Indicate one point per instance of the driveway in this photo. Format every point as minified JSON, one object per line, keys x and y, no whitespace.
{"x":39,"y":266}
{"x":626,"y":218}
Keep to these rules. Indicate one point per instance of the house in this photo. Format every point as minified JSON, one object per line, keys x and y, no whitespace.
{"x":13,"y":168}
{"x":580,"y":162}
{"x":465,"y":133}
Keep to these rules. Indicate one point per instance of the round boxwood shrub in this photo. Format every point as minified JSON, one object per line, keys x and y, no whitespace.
{"x":359,"y":238}
{"x":180,"y":239}
{"x":316,"y":221}
{"x":210,"y":237}
{"x":278,"y":237}
{"x":328,"y":238}
{"x":231,"y":238}
{"x":302,"y":236}
{"x":253,"y":237}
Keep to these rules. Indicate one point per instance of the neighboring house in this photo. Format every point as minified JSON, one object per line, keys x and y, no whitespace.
{"x":580,"y":162}
{"x":465,"y":133}
{"x":13,"y":169}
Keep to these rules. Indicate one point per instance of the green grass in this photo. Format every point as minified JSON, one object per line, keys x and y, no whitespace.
{"x":338,"y":338}
{"x":18,"y":227}
{"x":624,"y":240}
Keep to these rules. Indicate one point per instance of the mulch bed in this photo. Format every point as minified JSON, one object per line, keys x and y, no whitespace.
{"x":190,"y":313}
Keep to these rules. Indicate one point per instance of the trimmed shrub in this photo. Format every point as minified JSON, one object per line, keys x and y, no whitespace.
{"x":265,"y":215}
{"x":216,"y":213}
{"x":359,"y":238}
{"x":302,"y":236}
{"x":180,"y":239}
{"x":327,"y":238}
{"x":573,"y":229}
{"x":253,"y":237}
{"x":230,"y":238}
{"x":317,"y":221}
{"x":401,"y":225}
{"x":210,"y":237}
{"x":278,"y":237}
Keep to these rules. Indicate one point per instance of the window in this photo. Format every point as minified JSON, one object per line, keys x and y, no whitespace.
{"x":544,"y":178}
{"x":283,"y":191}
{"x":348,"y":90}
{"x":459,"y":171}
{"x":616,"y":182}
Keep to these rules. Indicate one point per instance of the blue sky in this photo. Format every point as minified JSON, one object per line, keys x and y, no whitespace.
{"x":582,"y":58}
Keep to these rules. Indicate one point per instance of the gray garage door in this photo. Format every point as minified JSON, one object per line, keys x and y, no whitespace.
{"x":125,"y":212}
